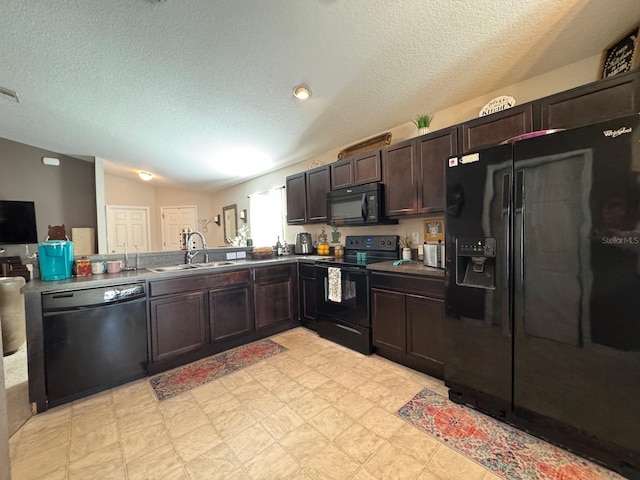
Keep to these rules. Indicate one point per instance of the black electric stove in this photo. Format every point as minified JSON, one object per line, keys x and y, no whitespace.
{"x":362,"y":250}
{"x":346,"y":318}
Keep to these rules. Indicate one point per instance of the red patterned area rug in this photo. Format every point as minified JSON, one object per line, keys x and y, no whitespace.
{"x":181,"y":379}
{"x":506,"y":451}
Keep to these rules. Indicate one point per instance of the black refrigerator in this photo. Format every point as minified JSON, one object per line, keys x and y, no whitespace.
{"x":542,"y":287}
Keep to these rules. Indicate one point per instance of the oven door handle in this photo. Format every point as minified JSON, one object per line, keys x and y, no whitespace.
{"x":356,"y":270}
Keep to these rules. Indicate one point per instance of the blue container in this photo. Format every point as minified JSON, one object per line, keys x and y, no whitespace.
{"x":56,"y":259}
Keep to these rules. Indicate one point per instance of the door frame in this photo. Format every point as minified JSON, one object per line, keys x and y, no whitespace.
{"x":129,"y":207}
{"x":162,"y":210}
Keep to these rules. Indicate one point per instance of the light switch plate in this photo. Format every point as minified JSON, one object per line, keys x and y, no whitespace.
{"x":415,"y":238}
{"x":232,"y":255}
{"x":241,"y":254}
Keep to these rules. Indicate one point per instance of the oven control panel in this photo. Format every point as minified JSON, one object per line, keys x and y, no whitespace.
{"x":372,"y":242}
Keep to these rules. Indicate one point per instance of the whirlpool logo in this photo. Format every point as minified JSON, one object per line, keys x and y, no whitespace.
{"x":621,"y":240}
{"x":616,"y":133}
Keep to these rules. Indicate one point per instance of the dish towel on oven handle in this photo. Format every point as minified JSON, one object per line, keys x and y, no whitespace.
{"x":335,"y":285}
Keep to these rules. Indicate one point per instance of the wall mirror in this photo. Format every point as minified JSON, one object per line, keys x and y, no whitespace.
{"x":230,"y":219}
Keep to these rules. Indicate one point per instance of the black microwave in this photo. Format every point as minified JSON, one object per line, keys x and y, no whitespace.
{"x":359,"y":205}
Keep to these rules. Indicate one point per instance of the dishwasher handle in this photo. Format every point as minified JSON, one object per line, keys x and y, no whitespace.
{"x":94,"y":297}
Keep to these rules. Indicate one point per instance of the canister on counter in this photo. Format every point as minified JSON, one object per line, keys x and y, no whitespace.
{"x":82,"y":267}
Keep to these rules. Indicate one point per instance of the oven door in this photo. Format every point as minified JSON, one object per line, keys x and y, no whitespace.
{"x":353,"y":304}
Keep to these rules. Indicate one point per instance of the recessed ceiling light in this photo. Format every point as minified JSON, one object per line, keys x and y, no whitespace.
{"x":301,"y":92}
{"x":146,"y":176}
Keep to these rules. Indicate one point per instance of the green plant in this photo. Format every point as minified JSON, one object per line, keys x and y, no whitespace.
{"x":423,"y":121}
{"x":406,"y":241}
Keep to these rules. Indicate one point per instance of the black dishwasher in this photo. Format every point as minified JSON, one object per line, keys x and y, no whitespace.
{"x":94,"y":339}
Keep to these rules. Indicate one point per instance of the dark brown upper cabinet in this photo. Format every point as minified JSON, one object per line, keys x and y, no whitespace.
{"x":596,"y":102}
{"x":307,"y":196}
{"x":496,"y":128}
{"x":296,"y":190}
{"x":413,"y":173}
{"x":318,"y":183}
{"x":433,"y":150}
{"x":363,"y":168}
{"x":399,"y":175}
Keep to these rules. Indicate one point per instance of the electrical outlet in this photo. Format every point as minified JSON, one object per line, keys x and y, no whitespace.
{"x":415,"y":238}
{"x":241,"y":254}
{"x":232,"y":255}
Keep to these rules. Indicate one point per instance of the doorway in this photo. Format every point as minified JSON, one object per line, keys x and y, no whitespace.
{"x":128,"y":225}
{"x":175,"y":219}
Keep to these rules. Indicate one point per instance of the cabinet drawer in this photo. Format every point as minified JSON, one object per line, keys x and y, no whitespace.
{"x":268,"y":273}
{"x":307,"y":270}
{"x":197,"y":282}
{"x":430,"y":287}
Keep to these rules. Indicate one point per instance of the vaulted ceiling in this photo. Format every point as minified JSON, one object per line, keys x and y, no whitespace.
{"x":168,"y":86}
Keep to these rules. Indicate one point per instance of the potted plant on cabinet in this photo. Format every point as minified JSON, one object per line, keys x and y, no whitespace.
{"x":423,"y":122}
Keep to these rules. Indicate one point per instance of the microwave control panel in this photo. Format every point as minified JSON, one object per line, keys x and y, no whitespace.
{"x":372,"y":208}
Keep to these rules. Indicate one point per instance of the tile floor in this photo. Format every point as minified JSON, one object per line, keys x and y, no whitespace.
{"x":317,"y":411}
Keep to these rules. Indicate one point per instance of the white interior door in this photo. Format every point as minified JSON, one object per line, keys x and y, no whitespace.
{"x":128,"y":225}
{"x":173,"y":220}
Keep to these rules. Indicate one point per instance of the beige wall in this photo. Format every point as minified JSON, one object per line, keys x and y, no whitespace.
{"x":130,"y":192}
{"x":62,"y":195}
{"x":556,"y":81}
{"x":172,"y":197}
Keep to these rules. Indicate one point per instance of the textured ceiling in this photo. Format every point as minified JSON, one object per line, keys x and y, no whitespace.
{"x":165,"y":86}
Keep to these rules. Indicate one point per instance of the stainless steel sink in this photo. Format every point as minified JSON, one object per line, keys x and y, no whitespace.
{"x":188,"y":266}
{"x":173,"y":268}
{"x":213,"y":264}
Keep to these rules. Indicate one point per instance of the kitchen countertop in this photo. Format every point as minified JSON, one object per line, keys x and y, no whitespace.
{"x":412,"y":268}
{"x":144,"y":274}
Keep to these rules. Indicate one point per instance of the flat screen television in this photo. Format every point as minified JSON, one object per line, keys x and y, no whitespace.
{"x":17,"y":222}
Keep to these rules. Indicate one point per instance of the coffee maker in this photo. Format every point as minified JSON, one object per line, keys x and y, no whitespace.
{"x":304,"y":244}
{"x":56,"y":259}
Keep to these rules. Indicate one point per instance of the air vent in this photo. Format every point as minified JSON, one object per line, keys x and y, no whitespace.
{"x":9,"y":95}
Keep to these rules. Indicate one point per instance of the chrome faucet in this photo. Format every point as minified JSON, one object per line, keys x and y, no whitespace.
{"x":126,"y":259}
{"x":191,"y":251}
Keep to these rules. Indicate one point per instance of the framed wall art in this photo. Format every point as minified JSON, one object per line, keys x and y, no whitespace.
{"x":621,"y":56}
{"x":434,"y":230}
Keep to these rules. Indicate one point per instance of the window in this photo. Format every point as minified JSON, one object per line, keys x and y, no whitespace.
{"x":266,"y":217}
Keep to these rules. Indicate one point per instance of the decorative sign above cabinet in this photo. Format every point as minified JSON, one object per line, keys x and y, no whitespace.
{"x":498,"y":104}
{"x":622,"y":56}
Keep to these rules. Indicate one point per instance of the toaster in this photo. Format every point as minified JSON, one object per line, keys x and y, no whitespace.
{"x":433,"y":255}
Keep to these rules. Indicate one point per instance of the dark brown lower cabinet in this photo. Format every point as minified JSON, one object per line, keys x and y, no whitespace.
{"x":388,"y":320}
{"x":424,"y":330}
{"x":178,"y":325}
{"x":230,"y":315}
{"x":275,"y":295}
{"x":193,"y":316}
{"x":407,"y":326}
{"x":308,"y":296}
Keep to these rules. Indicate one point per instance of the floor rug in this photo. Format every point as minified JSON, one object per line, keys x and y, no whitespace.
{"x":506,"y":451}
{"x":174,"y":382}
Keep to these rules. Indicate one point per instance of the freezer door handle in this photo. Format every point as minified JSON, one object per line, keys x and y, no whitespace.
{"x":519,"y":190}
{"x":506,"y":215}
{"x":519,"y":205}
